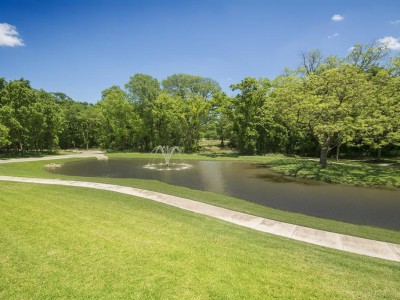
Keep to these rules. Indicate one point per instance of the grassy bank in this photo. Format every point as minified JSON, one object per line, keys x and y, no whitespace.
{"x":64,"y":242}
{"x":359,"y":173}
{"x":36,"y":169}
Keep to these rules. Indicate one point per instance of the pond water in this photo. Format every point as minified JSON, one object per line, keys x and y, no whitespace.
{"x":256,"y":183}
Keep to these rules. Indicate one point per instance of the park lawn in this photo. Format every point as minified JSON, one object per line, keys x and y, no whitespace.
{"x":68,"y":242}
{"x":37,"y":169}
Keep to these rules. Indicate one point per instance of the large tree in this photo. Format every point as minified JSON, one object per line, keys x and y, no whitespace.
{"x":194,"y":118}
{"x":120,"y":126}
{"x":167,"y":114}
{"x":379,"y":126}
{"x":284,"y":109}
{"x":368,"y":57}
{"x":143,"y":90}
{"x":185,"y":85}
{"x":17,"y":98}
{"x":219,"y":117}
{"x":333,"y":100}
{"x":44,"y":122}
{"x":246,"y":113}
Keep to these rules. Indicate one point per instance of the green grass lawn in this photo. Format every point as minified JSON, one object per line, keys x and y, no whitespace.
{"x":68,"y":242}
{"x":36,"y":169}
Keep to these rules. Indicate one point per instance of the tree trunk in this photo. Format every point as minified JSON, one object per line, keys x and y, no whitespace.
{"x":323,"y":159}
{"x":379,"y":153}
{"x":337,"y":152}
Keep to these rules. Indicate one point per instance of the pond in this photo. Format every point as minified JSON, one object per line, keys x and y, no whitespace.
{"x":256,"y":183}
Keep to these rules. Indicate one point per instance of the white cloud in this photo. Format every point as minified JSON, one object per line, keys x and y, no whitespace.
{"x":391,"y":42}
{"x":350,"y":49}
{"x":337,"y":18}
{"x":395,"y":22}
{"x":333,"y":35}
{"x":9,"y":36}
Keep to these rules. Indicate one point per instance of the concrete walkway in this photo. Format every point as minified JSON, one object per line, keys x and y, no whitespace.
{"x":313,"y":236}
{"x":83,"y":154}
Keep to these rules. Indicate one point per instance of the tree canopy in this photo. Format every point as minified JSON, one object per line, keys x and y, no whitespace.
{"x":348,"y":104}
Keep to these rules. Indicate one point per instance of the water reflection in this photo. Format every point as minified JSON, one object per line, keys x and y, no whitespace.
{"x":212,"y":176}
{"x":258,"y":184}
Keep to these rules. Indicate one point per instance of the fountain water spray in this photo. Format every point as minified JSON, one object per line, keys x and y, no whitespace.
{"x":165,"y":162}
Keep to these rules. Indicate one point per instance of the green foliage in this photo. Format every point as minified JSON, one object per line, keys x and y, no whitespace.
{"x":246,"y":114}
{"x":4,"y":136}
{"x":219,"y":120}
{"x":75,"y":127}
{"x":119,"y":123}
{"x":178,"y":121}
{"x":184,"y":85}
{"x":89,"y":123}
{"x":167,"y":116}
{"x":379,"y":124}
{"x":335,"y":97}
{"x":32,"y":117}
{"x":367,"y":57}
{"x":194,"y":117}
{"x":143,"y":91}
{"x":329,"y":103}
{"x":359,"y":173}
{"x":287,"y":116}
{"x":143,"y":88}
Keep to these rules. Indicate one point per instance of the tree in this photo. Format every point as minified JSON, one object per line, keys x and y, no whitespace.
{"x":285,"y":112}
{"x":333,"y":101}
{"x":168,"y":115}
{"x":120,"y":125}
{"x":143,"y":90}
{"x":184,"y":85}
{"x":219,"y":112}
{"x":44,"y":122}
{"x":71,"y":135}
{"x":88,"y":121}
{"x":16,"y":98}
{"x":246,"y":113}
{"x":379,"y":125}
{"x":310,"y":61}
{"x":194,"y":118}
{"x":367,"y":57}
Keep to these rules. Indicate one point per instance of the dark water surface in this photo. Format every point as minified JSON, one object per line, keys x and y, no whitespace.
{"x":255,"y":183}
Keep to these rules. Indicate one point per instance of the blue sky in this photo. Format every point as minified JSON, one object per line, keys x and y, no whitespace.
{"x":82,"y":47}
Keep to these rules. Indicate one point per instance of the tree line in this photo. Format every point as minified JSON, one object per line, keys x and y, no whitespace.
{"x":328,"y":103}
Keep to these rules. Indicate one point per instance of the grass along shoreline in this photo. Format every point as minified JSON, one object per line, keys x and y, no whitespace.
{"x":37,"y":169}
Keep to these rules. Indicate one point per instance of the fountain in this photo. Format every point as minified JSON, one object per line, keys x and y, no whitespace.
{"x":164,"y":162}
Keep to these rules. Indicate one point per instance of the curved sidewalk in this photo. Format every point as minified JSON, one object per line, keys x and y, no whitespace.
{"x":313,"y":236}
{"x":84,"y":153}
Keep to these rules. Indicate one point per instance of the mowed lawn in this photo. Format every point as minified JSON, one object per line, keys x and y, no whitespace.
{"x":67,"y":242}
